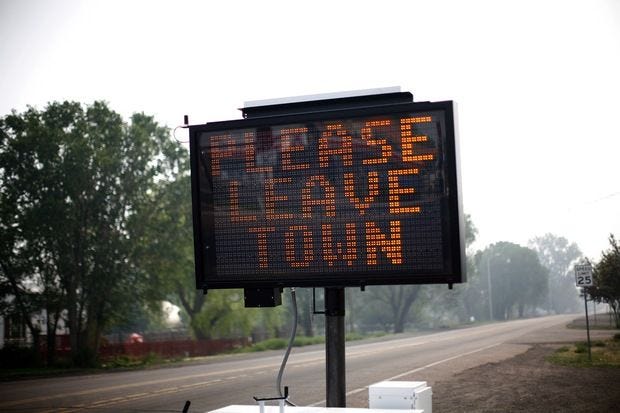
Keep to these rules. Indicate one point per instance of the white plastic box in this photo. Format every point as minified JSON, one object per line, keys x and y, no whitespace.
{"x":401,"y":395}
{"x":301,"y":409}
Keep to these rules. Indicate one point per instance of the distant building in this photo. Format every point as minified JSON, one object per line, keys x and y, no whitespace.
{"x":14,"y":330}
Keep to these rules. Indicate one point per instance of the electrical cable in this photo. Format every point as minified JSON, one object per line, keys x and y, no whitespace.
{"x":174,"y":134}
{"x":290,"y":346}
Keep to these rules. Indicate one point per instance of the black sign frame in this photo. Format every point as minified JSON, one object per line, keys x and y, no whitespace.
{"x":452,"y":225}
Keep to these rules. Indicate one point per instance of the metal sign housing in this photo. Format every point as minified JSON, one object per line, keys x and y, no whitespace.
{"x":345,"y":197}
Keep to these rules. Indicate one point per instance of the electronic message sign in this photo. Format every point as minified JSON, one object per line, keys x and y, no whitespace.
{"x":335,"y":198}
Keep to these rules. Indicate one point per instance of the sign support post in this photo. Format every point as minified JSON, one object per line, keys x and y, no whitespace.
{"x":585,"y":300}
{"x":583,"y":278}
{"x":334,"y":347}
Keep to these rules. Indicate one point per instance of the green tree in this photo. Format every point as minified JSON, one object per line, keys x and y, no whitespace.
{"x":304,"y":311}
{"x":270,"y":322}
{"x":464,"y":301}
{"x":223,"y":315}
{"x":558,"y":255}
{"x":355,"y":303}
{"x":607,"y":279}
{"x":397,"y":301}
{"x":28,"y":278}
{"x":164,"y":249}
{"x":517,"y":279}
{"x":459,"y":304}
{"x":164,"y":254}
{"x":74,"y":178}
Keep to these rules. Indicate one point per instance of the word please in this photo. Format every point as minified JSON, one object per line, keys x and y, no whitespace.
{"x":335,"y":140}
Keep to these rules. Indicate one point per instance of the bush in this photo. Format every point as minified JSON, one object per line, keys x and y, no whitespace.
{"x":581,"y":347}
{"x":300,"y":341}
{"x":281,"y":343}
{"x":270,"y":344}
{"x":85,"y":357}
{"x":126,"y":361}
{"x":308,"y":341}
{"x":13,"y":356}
{"x":354,"y":336}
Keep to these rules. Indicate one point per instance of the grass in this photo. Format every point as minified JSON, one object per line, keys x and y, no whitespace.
{"x":605,"y":353}
{"x":41,"y":372}
{"x":279,"y":344}
{"x":122,"y":362}
{"x":600,"y":322}
{"x":300,"y":341}
{"x":282,"y":343}
{"x":360,"y":336}
{"x":582,"y":326}
{"x":131,"y":362}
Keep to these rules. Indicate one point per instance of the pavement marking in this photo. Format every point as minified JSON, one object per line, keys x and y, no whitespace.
{"x":354,"y":354}
{"x":398,"y":376}
{"x":130,"y":397}
{"x":130,"y":385}
{"x":360,"y":389}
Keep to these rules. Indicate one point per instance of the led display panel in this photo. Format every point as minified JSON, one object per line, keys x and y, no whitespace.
{"x":340,"y":198}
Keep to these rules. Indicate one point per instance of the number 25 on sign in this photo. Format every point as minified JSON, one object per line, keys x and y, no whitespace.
{"x":583,"y":275}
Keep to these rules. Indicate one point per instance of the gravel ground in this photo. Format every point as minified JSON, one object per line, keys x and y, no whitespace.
{"x":528,"y":383}
{"x":515,"y":377}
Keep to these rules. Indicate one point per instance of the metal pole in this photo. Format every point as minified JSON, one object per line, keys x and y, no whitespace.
{"x":334,"y":348}
{"x":594,"y":309}
{"x":585,"y":300}
{"x":490,"y":289}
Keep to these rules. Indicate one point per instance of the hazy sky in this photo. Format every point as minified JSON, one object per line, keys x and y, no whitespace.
{"x":537,"y":83}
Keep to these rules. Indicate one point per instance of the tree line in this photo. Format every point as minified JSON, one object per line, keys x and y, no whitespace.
{"x":96,"y":230}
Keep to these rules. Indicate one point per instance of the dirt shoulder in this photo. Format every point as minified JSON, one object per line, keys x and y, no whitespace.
{"x":527,"y":382}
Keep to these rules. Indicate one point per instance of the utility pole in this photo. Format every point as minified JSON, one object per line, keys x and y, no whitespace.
{"x":490,"y":288}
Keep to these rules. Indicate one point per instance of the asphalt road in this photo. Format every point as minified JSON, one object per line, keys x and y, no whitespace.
{"x":225,"y":380}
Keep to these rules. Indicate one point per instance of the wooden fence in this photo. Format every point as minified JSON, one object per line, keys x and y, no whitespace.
{"x":173,"y":349}
{"x":163,"y":348}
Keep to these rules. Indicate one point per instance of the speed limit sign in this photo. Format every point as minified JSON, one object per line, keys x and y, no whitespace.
{"x":583,"y":275}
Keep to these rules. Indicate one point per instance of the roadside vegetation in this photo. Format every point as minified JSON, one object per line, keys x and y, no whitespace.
{"x":605,"y":353}
{"x":602,"y":321}
{"x":300,"y":341}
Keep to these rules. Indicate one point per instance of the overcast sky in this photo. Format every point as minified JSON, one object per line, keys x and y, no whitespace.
{"x":537,"y":83}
